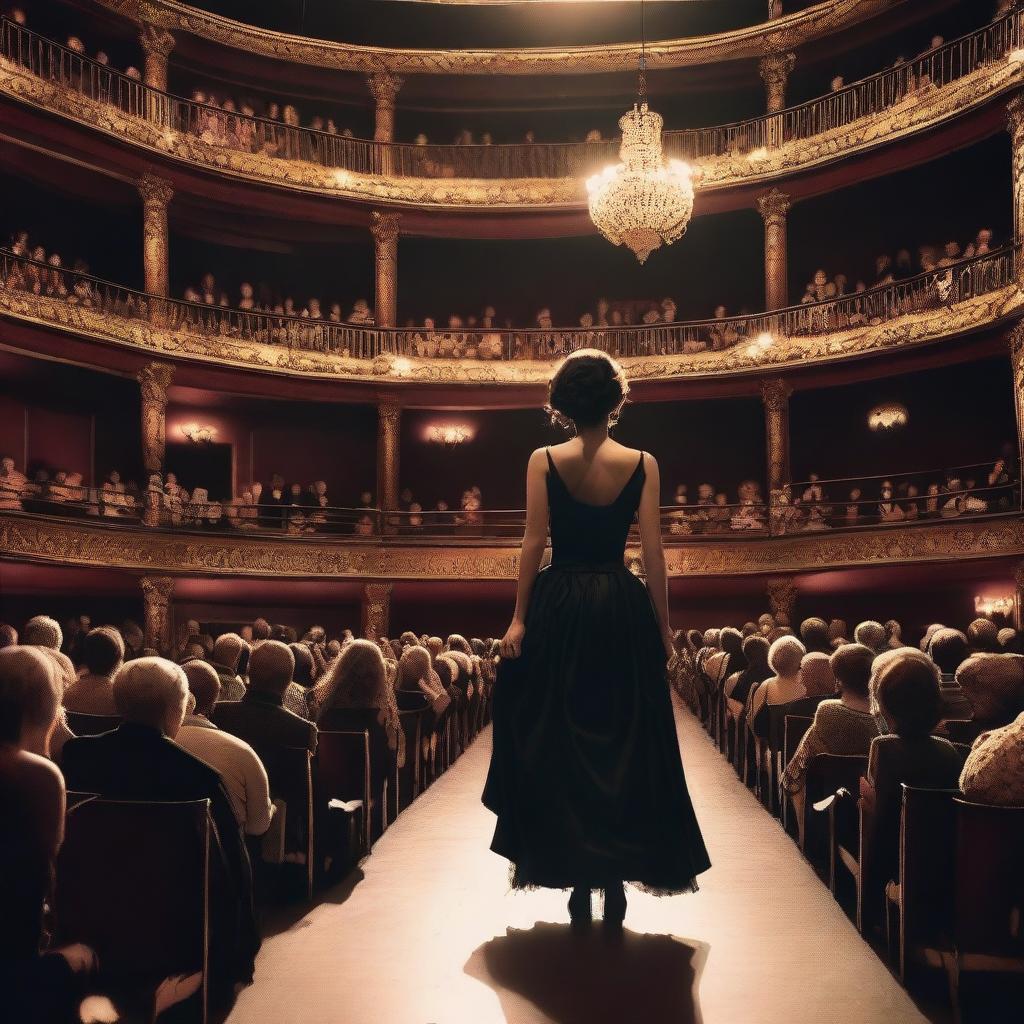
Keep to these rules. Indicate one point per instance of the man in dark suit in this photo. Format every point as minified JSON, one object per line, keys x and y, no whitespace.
{"x":140,"y":761}
{"x":260,"y":717}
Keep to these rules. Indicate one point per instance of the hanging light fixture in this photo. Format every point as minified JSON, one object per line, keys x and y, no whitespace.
{"x":644,"y":200}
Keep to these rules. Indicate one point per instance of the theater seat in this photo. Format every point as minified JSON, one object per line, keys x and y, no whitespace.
{"x":91,"y":725}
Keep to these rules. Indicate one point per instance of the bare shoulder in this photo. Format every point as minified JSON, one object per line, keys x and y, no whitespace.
{"x":39,"y":773}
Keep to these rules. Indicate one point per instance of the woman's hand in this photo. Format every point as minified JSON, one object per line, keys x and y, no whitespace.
{"x":512,"y":641}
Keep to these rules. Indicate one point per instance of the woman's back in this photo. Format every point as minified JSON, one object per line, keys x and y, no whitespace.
{"x":593,"y":500}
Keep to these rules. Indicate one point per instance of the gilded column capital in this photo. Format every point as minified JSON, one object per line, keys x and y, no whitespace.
{"x":781,"y":592}
{"x":155,"y":378}
{"x":1015,"y":117}
{"x":157,"y":589}
{"x":775,"y":392}
{"x":389,"y":413}
{"x":775,"y":68}
{"x":773,"y":206}
{"x":384,"y":87}
{"x":155,"y":190}
{"x":155,"y":40}
{"x":384,"y":226}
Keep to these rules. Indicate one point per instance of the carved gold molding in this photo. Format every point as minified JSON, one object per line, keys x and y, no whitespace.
{"x":917,"y":328}
{"x":752,"y":41}
{"x":157,"y":552}
{"x":916,"y":112}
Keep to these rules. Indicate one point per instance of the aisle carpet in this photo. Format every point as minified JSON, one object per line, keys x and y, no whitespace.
{"x":430,"y":933}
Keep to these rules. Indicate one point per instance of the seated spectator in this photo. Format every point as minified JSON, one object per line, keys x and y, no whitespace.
{"x":302,"y":681}
{"x":260,"y":717}
{"x":994,"y":686}
{"x":355,"y":694}
{"x":38,"y":984}
{"x":784,"y":658}
{"x":139,"y":760}
{"x":42,"y":631}
{"x":816,"y":674}
{"x":905,"y":688}
{"x":227,"y":652}
{"x":994,"y":770}
{"x":415,"y":672}
{"x":93,"y":692}
{"x":240,"y":770}
{"x":757,"y":670}
{"x":814,"y":635}
{"x":983,"y":635}
{"x":843,"y":726}
{"x":871,"y":634}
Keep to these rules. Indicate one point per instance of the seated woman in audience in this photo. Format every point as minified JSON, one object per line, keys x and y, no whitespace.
{"x":905,"y":689}
{"x":816,"y":675}
{"x":993,"y":685}
{"x":35,"y":984}
{"x":784,"y":658}
{"x":416,"y":673}
{"x":356,"y":694}
{"x":841,"y":726}
{"x":757,"y":670}
{"x":871,"y":634}
{"x":93,"y":692}
{"x":994,"y":770}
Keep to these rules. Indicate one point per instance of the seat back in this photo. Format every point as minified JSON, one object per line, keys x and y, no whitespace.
{"x":777,"y":713}
{"x":91,"y":725}
{"x":793,"y":731}
{"x":290,"y":771}
{"x":343,"y":769}
{"x":827,"y":773}
{"x":407,"y":781}
{"x":133,"y":882}
{"x":989,"y":903}
{"x":927,"y":868}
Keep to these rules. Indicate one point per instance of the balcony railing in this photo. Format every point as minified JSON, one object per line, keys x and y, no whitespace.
{"x":706,"y":521}
{"x":258,"y":135}
{"x":936,"y":289}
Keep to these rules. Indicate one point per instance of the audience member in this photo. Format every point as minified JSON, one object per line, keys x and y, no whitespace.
{"x":93,"y":692}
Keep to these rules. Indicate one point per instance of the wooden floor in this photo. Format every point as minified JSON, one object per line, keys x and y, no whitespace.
{"x":431,"y":934}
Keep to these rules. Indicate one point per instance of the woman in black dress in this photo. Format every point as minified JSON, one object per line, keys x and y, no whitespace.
{"x":586,"y":776}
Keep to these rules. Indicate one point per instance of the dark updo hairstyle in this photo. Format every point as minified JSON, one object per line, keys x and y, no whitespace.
{"x":588,"y":389}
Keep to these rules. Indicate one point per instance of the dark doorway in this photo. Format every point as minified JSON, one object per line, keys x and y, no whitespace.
{"x":202,"y":465}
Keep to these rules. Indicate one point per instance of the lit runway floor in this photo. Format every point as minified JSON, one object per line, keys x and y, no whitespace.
{"x":431,"y":932}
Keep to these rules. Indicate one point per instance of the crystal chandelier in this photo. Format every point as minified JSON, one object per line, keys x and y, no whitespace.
{"x":645,"y":200}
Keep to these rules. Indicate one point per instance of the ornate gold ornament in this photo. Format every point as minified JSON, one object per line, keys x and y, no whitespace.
{"x":645,"y":200}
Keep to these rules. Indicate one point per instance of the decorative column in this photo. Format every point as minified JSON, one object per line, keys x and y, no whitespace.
{"x":1016,"y":340}
{"x":375,"y":610}
{"x":384,"y":86}
{"x":773,"y":207}
{"x":389,"y":423}
{"x":156,"y":194}
{"x":1018,"y":611}
{"x":384,"y":228}
{"x":157,"y":44}
{"x":154,"y":379}
{"x":775,"y":70}
{"x":781,"y":598}
{"x":156,"y":595}
{"x":775,"y":394}
{"x":1015,"y":122}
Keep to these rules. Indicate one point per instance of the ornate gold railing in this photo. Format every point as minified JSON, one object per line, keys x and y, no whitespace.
{"x":757,"y":336}
{"x":247,"y":134}
{"x":753,"y":41}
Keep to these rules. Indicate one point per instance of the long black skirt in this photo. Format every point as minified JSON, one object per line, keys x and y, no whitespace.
{"x":586,"y":776}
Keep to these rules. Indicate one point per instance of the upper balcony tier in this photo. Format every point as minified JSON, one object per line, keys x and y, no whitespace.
{"x":817,"y":145}
{"x":104,"y":322}
{"x":750,"y":42}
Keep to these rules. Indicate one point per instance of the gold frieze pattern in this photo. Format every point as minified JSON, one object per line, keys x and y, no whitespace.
{"x":916,"y":112}
{"x":919,"y":327}
{"x":153,"y":551}
{"x":750,"y":42}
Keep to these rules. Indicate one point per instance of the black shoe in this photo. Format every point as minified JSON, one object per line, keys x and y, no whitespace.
{"x":614,"y":908}
{"x":580,"y":913}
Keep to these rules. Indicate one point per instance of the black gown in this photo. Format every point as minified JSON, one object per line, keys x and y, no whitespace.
{"x":586,"y":776}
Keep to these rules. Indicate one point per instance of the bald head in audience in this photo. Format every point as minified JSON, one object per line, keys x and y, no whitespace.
{"x":271,"y":667}
{"x":984,"y":636}
{"x":227,"y":649}
{"x":152,"y":692}
{"x":8,"y":636}
{"x":203,"y":684}
{"x":871,"y":634}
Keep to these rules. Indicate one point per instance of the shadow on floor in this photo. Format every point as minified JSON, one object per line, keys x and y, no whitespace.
{"x":547,"y":973}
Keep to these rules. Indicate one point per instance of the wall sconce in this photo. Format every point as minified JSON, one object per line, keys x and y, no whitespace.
{"x":451,"y":435}
{"x":888,"y":416}
{"x":198,"y":433}
{"x":988,"y":605}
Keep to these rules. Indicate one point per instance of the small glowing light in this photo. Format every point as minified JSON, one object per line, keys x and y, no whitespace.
{"x":994,"y":604}
{"x":401,"y":366}
{"x":761,"y":153}
{"x":1016,"y":56}
{"x":888,"y":416}
{"x":449,"y":434}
